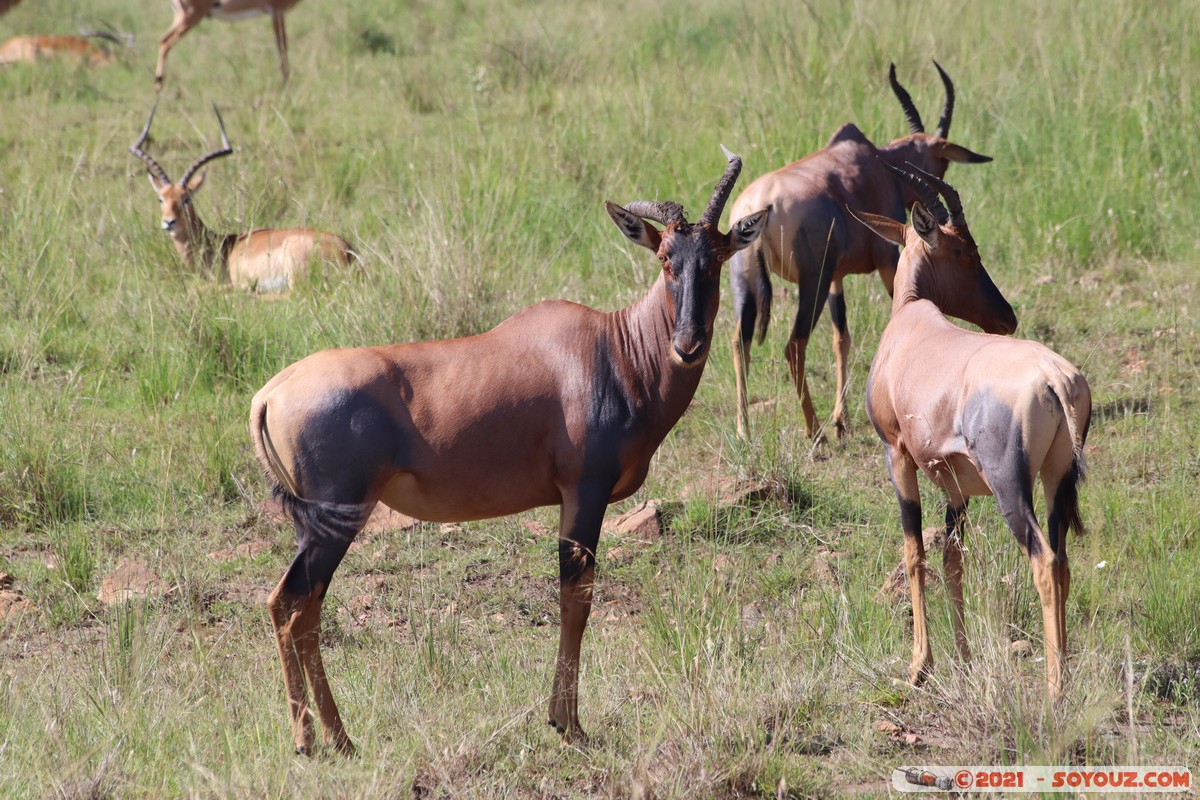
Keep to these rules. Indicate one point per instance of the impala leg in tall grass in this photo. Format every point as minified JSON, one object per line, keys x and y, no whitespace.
{"x":189,"y":13}
{"x":558,"y":405}
{"x":811,"y":241}
{"x":979,"y":413}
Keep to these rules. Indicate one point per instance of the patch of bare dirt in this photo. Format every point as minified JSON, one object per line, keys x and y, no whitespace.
{"x":895,"y":586}
{"x":731,"y":490}
{"x":245,"y":550}
{"x":132,"y":579}
{"x":13,"y":603}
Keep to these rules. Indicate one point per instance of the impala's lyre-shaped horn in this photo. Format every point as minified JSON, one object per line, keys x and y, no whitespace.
{"x":136,"y":149}
{"x":224,"y":150}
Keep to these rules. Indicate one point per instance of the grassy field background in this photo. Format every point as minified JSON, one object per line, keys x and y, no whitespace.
{"x":466,"y":150}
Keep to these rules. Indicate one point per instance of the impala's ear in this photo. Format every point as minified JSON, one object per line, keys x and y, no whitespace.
{"x":886,"y":227}
{"x":956,"y":152}
{"x":155,"y":182}
{"x":196,"y":181}
{"x":743,"y":232}
{"x":925,"y":225}
{"x":634,"y":227}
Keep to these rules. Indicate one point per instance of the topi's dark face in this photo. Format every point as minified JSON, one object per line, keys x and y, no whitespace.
{"x":691,"y":256}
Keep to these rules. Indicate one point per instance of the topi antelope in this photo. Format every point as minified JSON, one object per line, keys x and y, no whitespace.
{"x":189,"y":13}
{"x":979,"y":413}
{"x":262,"y":260}
{"x":810,"y":240}
{"x":558,"y":405}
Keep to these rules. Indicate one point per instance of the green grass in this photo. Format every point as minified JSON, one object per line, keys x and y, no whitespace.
{"x":465,"y":150}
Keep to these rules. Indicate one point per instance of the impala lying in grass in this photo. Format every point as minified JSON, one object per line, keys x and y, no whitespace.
{"x":978,"y":413}
{"x":31,"y":49}
{"x":558,"y":405}
{"x":262,"y":260}
{"x":810,"y":240}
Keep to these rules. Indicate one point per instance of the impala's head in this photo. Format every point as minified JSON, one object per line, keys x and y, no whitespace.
{"x":931,"y":152}
{"x":691,"y":255}
{"x":179,"y":219}
{"x":940,"y":262}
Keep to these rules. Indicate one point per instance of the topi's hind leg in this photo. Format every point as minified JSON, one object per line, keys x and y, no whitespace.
{"x":323,"y":532}
{"x":952,"y":556}
{"x":1005,"y":450}
{"x":842,"y":344}
{"x":809,"y":309}
{"x":283,"y":609}
{"x":307,"y":632}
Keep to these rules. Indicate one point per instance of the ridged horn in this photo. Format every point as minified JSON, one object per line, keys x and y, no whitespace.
{"x":136,"y":149}
{"x":224,"y":150}
{"x":663,"y":213}
{"x":943,"y":128}
{"x":723,"y":188}
{"x":925,"y":191}
{"x":957,"y":218}
{"x":910,"y":111}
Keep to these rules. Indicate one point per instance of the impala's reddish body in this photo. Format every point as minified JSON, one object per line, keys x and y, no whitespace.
{"x":811,"y":240}
{"x":558,"y":405}
{"x":31,"y":49}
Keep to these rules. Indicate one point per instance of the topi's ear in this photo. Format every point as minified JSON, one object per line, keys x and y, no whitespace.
{"x":634,"y":227}
{"x":886,"y":227}
{"x":956,"y":152}
{"x":925,"y":225}
{"x":743,"y":232}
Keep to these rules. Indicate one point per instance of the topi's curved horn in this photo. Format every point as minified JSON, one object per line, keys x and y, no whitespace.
{"x":943,"y":128}
{"x":925,"y":191}
{"x":910,"y":111}
{"x":664,"y":213}
{"x":723,"y":188}
{"x":136,"y":149}
{"x":957,"y":218}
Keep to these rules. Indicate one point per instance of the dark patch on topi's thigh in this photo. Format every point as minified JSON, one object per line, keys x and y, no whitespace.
{"x":994,"y":439}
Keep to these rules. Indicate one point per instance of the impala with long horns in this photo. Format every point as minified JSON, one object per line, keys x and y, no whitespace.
{"x":262,"y":260}
{"x":557,"y":405}
{"x":189,"y":13}
{"x":978,"y":413}
{"x":811,"y":241}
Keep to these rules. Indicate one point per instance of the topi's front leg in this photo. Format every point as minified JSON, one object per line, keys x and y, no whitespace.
{"x":579,"y":532}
